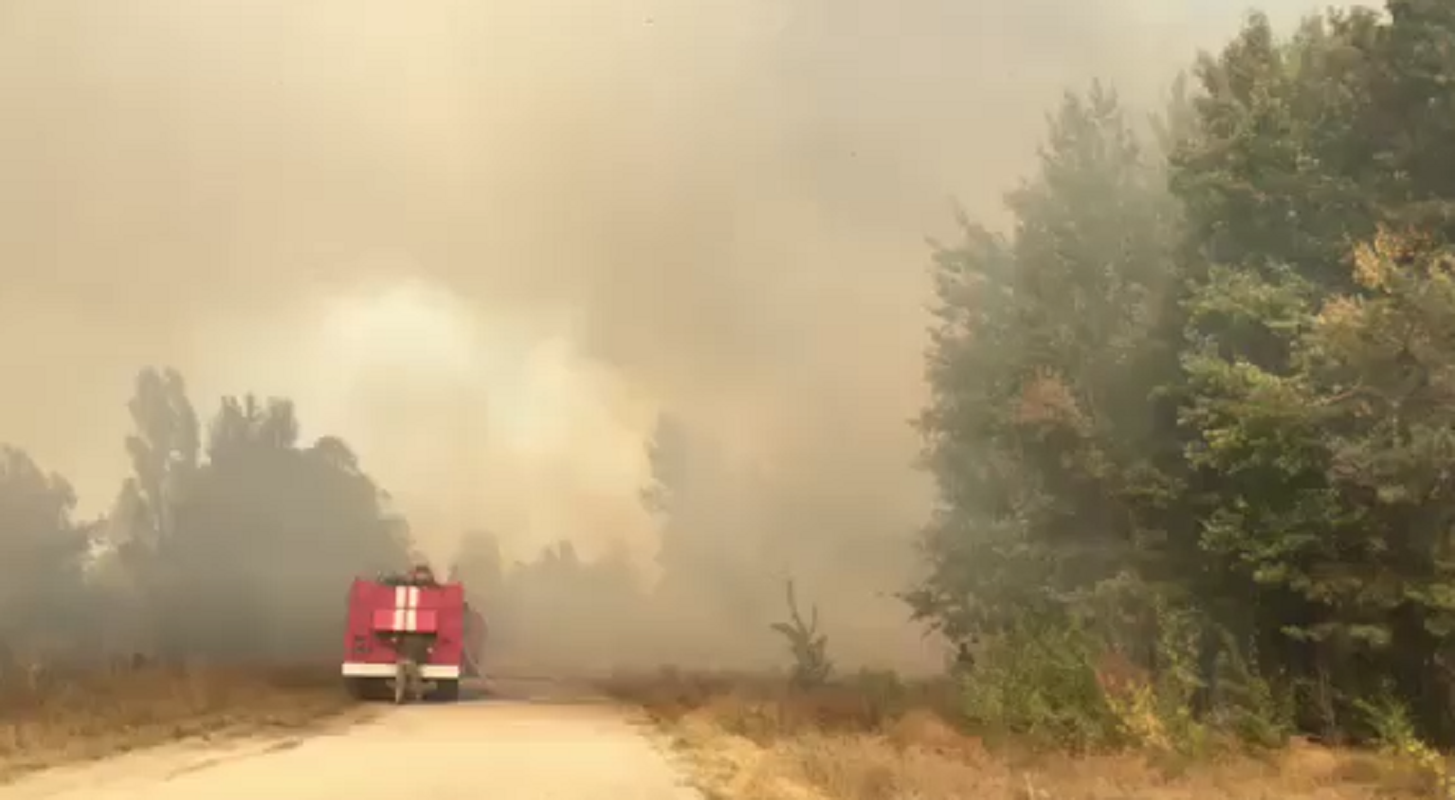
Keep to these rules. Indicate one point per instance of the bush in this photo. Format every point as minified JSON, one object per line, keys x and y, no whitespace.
{"x":1395,"y":732}
{"x":1040,"y":682}
{"x":1059,"y":683}
{"x":811,"y":664}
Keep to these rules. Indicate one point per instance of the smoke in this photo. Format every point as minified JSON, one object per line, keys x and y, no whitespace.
{"x":488,"y":243}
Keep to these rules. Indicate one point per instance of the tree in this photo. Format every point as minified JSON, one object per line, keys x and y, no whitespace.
{"x":243,"y":553}
{"x":164,"y":449}
{"x":809,"y":648}
{"x":42,"y":552}
{"x":1304,"y":149}
{"x":1040,"y":433}
{"x":712,"y":543}
{"x":1226,"y":390}
{"x":246,"y":551}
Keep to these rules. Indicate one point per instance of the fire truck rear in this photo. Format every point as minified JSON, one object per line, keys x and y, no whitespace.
{"x":410,"y":637}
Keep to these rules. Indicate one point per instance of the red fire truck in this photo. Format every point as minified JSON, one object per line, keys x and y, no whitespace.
{"x":410,"y":637}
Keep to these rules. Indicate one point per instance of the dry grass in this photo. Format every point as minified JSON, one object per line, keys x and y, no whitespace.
{"x":750,"y":738}
{"x":63,"y":715}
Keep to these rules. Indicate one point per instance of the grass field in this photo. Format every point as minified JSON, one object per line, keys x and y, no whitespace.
{"x":749,"y":737}
{"x":53,"y":716}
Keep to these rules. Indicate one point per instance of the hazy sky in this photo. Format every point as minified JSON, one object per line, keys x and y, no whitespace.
{"x":486,"y":242}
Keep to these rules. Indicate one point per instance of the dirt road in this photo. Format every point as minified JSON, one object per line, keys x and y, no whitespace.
{"x":502,"y":749}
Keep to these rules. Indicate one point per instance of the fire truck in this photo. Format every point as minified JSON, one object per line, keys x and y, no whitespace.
{"x":410,"y":637}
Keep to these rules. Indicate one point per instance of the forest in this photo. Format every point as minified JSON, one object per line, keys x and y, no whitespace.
{"x":235,"y":542}
{"x":1192,"y":422}
{"x":1192,"y":416}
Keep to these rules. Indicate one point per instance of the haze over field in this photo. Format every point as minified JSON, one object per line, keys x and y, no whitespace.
{"x":490,"y":243}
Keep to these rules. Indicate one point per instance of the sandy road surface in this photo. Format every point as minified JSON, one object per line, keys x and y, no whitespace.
{"x":496,"y":749}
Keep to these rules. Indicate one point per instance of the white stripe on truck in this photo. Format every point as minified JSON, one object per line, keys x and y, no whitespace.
{"x":430,"y":672}
{"x":401,"y":596}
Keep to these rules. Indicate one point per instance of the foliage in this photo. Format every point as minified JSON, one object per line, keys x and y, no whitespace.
{"x":233,"y":540}
{"x":42,"y":559}
{"x":1395,"y":733}
{"x":232,"y":547}
{"x":1196,"y":401}
{"x":1039,"y":680}
{"x":811,"y":664}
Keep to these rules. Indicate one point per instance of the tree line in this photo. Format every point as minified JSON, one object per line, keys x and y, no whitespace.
{"x":233,"y":541}
{"x":1194,"y":414}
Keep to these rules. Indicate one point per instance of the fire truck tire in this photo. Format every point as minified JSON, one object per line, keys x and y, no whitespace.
{"x":447,"y":691}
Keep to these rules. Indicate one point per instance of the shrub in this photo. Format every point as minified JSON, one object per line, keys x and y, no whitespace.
{"x":811,"y":664}
{"x":1039,"y":681}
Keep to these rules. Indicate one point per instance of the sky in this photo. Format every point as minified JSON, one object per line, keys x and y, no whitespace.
{"x":488,"y":243}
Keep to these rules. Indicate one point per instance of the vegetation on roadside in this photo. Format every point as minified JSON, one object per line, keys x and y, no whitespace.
{"x":876,"y":737}
{"x":53,"y":714}
{"x":1192,"y":417}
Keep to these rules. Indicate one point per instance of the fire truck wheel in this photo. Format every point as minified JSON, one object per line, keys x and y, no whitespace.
{"x":447,"y":691}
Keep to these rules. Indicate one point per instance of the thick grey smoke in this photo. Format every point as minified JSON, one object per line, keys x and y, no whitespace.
{"x":488,"y":242}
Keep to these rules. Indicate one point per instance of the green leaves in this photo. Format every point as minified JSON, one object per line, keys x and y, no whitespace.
{"x":1230,"y":376}
{"x":1044,"y":361}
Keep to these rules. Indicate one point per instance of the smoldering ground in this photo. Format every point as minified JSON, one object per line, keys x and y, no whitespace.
{"x":491,"y":243}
